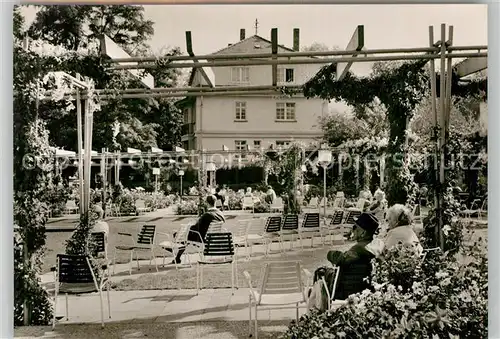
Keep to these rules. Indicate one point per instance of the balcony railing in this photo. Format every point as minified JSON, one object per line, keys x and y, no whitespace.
{"x":187,"y":129}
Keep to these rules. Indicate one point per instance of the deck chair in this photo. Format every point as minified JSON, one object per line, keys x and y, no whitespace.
{"x":281,"y":288}
{"x":144,"y":241}
{"x":310,"y":225}
{"x":277,"y":205}
{"x":70,"y":207}
{"x":272,"y":231}
{"x":248,"y":203}
{"x":218,"y":250}
{"x":74,"y":275}
{"x":290,"y":226}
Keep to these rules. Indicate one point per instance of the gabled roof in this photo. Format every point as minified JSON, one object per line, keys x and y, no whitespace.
{"x":251,"y":45}
{"x":248,"y":46}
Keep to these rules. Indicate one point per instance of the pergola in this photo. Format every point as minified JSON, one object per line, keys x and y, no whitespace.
{"x":442,"y":50}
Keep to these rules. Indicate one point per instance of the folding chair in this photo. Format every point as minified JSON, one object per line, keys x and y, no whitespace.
{"x":250,"y":232}
{"x":74,"y":275}
{"x":310,"y":225}
{"x":281,"y":288}
{"x":218,"y":250}
{"x":145,"y":241}
{"x":272,"y":231}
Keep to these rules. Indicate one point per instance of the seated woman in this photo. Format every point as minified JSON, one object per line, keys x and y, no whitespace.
{"x":400,"y":228}
{"x":355,"y":264}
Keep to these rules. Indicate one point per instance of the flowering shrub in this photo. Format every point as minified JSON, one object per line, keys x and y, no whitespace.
{"x":262,"y":207}
{"x":187,"y":207}
{"x":235,"y":199}
{"x":441,"y":296}
{"x":159,"y":200}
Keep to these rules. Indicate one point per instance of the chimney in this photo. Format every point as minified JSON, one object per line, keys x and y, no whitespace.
{"x":242,"y":34}
{"x":296,"y":39}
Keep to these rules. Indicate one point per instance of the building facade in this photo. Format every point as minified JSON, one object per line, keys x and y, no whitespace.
{"x":241,"y":122}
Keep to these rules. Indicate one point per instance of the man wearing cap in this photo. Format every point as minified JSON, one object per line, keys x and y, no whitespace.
{"x":355,"y":264}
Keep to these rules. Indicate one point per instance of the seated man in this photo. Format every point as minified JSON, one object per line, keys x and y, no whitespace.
{"x":355,"y":264}
{"x":202,"y":225}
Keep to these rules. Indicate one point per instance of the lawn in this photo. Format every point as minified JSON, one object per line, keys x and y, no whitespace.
{"x":56,"y":241}
{"x":219,"y":276}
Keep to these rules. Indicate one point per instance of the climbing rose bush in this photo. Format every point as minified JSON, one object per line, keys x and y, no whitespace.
{"x":442,"y":296}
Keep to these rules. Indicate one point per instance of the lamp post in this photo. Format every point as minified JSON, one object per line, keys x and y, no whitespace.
{"x":303,"y":168}
{"x":181,"y":174}
{"x":324,"y":159}
{"x":211,"y":173}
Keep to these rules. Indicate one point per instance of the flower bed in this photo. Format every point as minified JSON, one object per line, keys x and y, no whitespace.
{"x":443,"y":296}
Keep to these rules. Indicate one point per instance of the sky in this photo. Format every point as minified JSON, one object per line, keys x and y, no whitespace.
{"x":386,"y":26}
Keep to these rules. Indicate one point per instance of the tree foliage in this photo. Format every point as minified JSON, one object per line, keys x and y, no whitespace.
{"x":149,"y":122}
{"x":399,"y":88}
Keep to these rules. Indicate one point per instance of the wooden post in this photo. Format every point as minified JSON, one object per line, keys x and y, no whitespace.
{"x":442,"y":117}
{"x":274,"y":51}
{"x":436,"y":125}
{"x":80,"y":142}
{"x":103,"y":178}
{"x":449,"y":76}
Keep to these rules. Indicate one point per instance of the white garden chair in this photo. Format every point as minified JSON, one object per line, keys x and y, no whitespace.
{"x":250,"y":232}
{"x":277,"y":205}
{"x":218,"y":250}
{"x":310,"y":226}
{"x":248,"y":203}
{"x":173,"y":245}
{"x":334,"y":227}
{"x":144,"y":241}
{"x":74,"y":275}
{"x":70,"y":207}
{"x":281,"y":288}
{"x":313,"y":203}
{"x":140,"y":206}
{"x":290,"y":226}
{"x":272,"y":231}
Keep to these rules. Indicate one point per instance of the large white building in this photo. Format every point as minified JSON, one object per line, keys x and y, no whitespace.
{"x":250,"y":121}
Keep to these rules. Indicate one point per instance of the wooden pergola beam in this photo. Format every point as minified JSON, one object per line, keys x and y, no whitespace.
{"x":189,"y":49}
{"x":296,"y":54}
{"x":300,"y":61}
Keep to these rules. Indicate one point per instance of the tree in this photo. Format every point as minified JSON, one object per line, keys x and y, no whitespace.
{"x":78,"y":27}
{"x":75,"y":26}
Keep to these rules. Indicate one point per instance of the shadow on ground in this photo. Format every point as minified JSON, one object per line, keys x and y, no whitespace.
{"x":157,"y":330}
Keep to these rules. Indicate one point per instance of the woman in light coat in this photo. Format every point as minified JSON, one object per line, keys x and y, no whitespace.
{"x":401,"y":229}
